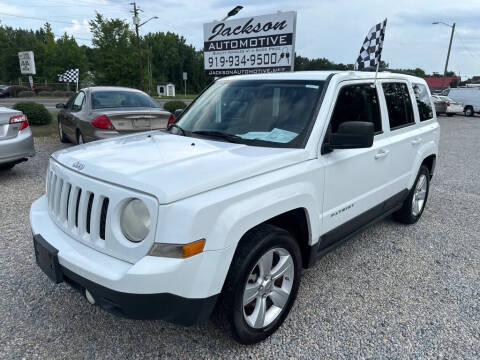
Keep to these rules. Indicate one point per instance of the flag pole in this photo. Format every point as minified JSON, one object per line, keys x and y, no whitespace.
{"x":376,"y":74}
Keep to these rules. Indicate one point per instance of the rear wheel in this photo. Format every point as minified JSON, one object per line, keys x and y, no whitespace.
{"x":468,"y":111}
{"x":61,"y":134}
{"x":414,"y":204}
{"x":262,"y":283}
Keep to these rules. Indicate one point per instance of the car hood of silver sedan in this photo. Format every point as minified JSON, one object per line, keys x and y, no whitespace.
{"x":173,"y":167}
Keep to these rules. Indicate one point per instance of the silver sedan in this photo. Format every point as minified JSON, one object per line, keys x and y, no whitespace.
{"x":16,"y":140}
{"x":106,"y":111}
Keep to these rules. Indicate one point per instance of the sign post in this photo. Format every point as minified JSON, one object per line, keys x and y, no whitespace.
{"x":258,"y":44}
{"x":27,"y":65}
{"x":185,"y":82}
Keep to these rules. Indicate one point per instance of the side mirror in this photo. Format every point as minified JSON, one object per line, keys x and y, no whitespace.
{"x":351,"y":135}
{"x":177,"y":113}
{"x":60,"y":106}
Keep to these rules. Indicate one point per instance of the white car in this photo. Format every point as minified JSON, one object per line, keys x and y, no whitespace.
{"x":260,"y":176}
{"x":469,"y":97}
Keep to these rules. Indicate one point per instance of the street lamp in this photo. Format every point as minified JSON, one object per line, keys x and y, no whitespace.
{"x":449,"y":48}
{"x":233,"y":12}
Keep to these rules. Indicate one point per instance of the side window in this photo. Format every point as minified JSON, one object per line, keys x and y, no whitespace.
{"x":423,"y":102}
{"x":399,"y":105}
{"x":357,"y":103}
{"x":70,"y":101}
{"x":78,"y":102}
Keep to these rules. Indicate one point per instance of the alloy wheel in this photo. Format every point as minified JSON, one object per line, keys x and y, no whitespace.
{"x":268,"y":288}
{"x":418,"y":201}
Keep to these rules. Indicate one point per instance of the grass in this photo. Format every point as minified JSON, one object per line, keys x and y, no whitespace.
{"x":49,"y":130}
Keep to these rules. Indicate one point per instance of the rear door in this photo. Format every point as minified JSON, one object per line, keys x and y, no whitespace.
{"x":404,"y":135}
{"x":356,"y":180}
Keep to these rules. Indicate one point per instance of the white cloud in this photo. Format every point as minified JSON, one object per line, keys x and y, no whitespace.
{"x":77,"y":28}
{"x":10,"y":9}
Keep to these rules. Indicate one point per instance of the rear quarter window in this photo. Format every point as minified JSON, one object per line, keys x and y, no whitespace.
{"x":424,"y":103}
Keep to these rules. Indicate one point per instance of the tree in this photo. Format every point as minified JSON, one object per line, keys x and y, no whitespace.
{"x":114,"y":54}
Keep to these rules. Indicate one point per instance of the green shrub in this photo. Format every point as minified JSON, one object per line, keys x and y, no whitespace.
{"x":26,"y":93}
{"x":37,"y":114}
{"x":68,"y":93}
{"x":171,"y":106}
{"x":16,"y":89}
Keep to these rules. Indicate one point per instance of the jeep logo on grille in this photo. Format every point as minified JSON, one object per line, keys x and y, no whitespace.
{"x":78,"y":165}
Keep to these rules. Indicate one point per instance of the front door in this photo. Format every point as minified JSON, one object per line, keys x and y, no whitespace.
{"x":356,"y":180}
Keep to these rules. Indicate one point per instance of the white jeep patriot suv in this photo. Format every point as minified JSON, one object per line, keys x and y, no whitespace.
{"x":260,"y":176}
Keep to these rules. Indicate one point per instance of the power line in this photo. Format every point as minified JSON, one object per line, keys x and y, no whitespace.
{"x":36,"y":18}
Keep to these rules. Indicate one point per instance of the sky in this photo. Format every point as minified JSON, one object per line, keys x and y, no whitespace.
{"x":333,"y":29}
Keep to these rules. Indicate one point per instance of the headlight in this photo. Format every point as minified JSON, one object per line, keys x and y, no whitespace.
{"x":135,"y":220}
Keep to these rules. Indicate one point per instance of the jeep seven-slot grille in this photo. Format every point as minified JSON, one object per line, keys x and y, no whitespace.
{"x":80,"y":210}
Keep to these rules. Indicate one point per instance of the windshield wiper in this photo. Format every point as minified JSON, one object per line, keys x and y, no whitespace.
{"x":229,"y":137}
{"x":178,"y":127}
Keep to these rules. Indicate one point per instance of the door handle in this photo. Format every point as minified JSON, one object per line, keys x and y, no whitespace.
{"x":416,"y":141}
{"x":381,"y":154}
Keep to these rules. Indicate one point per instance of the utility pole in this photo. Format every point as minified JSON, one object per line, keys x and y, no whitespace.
{"x":136,"y":22}
{"x":449,"y":48}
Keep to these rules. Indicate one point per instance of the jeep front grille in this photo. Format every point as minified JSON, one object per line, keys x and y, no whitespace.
{"x":79,"y":210}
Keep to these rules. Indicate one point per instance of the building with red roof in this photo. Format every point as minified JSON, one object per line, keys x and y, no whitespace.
{"x":435,"y":82}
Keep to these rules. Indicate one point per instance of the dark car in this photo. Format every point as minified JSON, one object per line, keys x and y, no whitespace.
{"x":4,"y":91}
{"x":103,"y":112}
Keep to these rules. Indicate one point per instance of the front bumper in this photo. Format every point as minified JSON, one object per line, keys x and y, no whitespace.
{"x":183,"y":291}
{"x":17,"y":148}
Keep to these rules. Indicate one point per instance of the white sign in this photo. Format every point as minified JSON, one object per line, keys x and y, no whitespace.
{"x":251,"y":45}
{"x":185,"y":76}
{"x":27,"y":63}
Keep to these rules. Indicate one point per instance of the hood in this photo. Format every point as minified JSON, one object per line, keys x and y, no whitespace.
{"x":173,"y":167}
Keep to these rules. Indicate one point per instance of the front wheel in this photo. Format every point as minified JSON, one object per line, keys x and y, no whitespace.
{"x":414,"y":204}
{"x":6,"y":166}
{"x":61,"y":134}
{"x":468,"y":111}
{"x":262,"y":283}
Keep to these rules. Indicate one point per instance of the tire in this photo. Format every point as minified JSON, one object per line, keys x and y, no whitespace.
{"x":80,"y":138}
{"x":61,"y":134}
{"x":246,"y":270}
{"x":409,"y":213}
{"x":468,"y":111}
{"x":7,"y":166}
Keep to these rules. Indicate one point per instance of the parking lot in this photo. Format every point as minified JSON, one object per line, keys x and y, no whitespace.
{"x":394,"y":291}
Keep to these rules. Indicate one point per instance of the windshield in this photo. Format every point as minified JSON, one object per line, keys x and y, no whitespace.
{"x":114,"y":99}
{"x":260,"y":112}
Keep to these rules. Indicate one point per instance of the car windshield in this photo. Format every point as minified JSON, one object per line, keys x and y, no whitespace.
{"x":114,"y":99}
{"x":274,"y":113}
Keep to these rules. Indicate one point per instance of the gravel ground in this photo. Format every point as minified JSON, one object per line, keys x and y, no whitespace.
{"x":393,"y":291}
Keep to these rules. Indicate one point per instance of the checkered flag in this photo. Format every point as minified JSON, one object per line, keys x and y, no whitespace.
{"x":69,"y":76}
{"x":371,"y":50}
